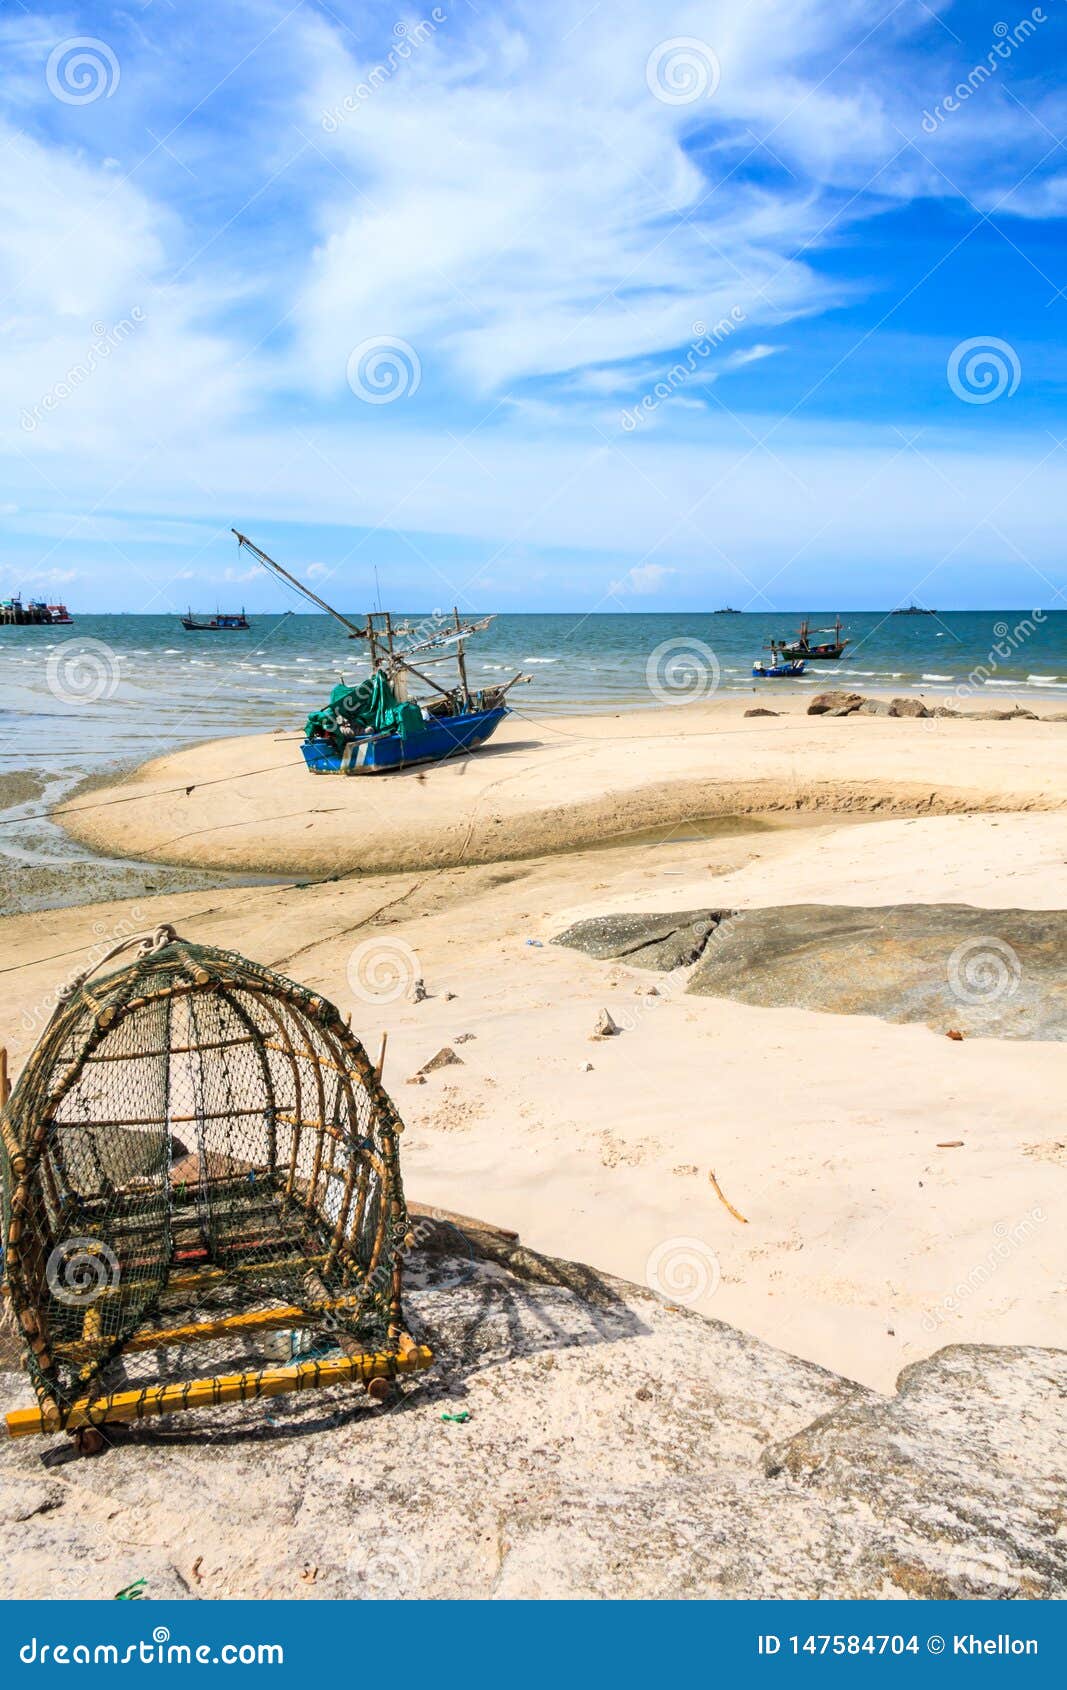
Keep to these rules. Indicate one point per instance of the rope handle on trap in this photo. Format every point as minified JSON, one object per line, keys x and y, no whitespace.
{"x":149,"y":942}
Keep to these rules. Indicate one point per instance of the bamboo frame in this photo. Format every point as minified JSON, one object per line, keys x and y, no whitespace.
{"x":312,"y":1195}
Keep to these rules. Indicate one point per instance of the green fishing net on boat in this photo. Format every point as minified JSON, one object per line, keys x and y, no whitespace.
{"x":370,"y":707}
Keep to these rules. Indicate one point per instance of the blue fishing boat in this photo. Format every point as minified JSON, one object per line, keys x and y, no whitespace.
{"x":376,"y":753}
{"x":374,"y":726}
{"x":779,"y":669}
{"x":782,"y":667}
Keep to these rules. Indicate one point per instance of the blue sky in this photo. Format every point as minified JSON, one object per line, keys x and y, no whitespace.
{"x":535,"y":305}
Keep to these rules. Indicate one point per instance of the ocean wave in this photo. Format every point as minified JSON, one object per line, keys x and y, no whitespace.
{"x":1044,"y":680}
{"x":939,"y":677}
{"x":540,"y":660}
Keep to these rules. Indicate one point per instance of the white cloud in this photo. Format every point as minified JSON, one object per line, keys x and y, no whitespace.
{"x":515,"y":203}
{"x":645,"y":578}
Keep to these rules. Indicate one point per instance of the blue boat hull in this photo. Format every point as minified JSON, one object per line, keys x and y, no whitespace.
{"x":376,"y":754}
{"x":778,"y":673}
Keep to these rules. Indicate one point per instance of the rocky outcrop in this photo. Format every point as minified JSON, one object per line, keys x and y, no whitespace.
{"x":909,"y":707}
{"x":836,"y":702}
{"x":993,"y":973}
{"x":616,"y":1445}
{"x":935,"y":1461}
{"x":990,"y":973}
{"x":646,"y":941}
{"x":839,"y":702}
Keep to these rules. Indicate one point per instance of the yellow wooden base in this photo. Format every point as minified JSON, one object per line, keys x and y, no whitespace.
{"x":233,"y":1387}
{"x":198,"y":1331}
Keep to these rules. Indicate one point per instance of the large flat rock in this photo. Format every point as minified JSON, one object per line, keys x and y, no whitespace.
{"x":662,"y":942}
{"x":995,"y":973}
{"x":617,"y":1446}
{"x":989,"y":973}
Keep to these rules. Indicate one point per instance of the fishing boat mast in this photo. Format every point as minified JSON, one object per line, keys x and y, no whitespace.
{"x":381,"y":635}
{"x":268,"y":562}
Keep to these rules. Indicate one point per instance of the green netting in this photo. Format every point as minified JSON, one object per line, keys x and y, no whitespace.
{"x":195,"y":1137}
{"x":370,"y":707}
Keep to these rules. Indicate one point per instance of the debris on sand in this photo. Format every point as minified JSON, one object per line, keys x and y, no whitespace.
{"x":445,"y":1058}
{"x":606,"y":1027}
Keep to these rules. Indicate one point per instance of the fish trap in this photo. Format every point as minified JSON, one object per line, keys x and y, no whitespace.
{"x":199,"y":1152}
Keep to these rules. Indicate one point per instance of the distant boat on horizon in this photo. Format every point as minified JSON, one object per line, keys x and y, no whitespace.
{"x":223,"y":622}
{"x":727,"y":610}
{"x":912,"y":610}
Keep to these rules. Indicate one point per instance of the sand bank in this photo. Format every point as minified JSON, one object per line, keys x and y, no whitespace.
{"x":544,"y":786}
{"x":868,"y":1244}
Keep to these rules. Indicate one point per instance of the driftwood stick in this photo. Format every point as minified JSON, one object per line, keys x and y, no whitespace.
{"x":738,"y":1216}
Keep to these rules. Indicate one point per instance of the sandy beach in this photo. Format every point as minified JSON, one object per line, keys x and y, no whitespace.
{"x":876,"y":1165}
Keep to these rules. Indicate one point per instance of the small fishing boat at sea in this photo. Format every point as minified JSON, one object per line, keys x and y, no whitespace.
{"x":778,"y":669}
{"x":820,"y":650}
{"x":912,"y":609}
{"x":223,"y":622}
{"x":374,"y":726}
{"x":781,"y":666}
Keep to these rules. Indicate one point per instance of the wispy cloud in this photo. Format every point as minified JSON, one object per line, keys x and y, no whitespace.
{"x":514,"y":203}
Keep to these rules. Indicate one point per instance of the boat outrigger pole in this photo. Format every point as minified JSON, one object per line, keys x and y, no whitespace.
{"x":354,"y":633}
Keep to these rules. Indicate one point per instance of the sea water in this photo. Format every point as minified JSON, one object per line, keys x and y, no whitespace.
{"x":112,"y":691}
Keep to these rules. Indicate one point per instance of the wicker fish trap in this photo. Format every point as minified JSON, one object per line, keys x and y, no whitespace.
{"x":199,"y":1152}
